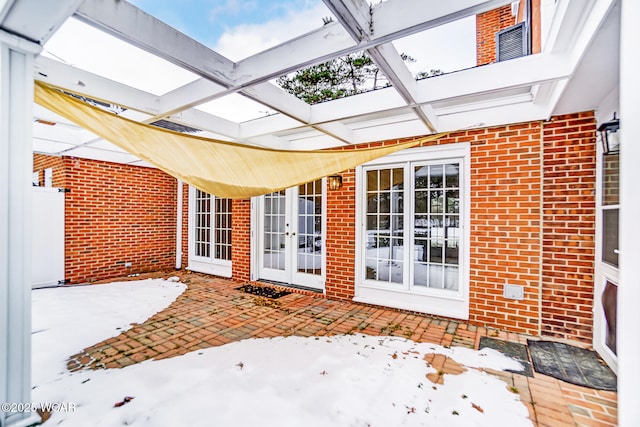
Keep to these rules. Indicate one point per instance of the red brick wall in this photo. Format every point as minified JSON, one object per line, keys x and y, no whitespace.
{"x":512,"y":240}
{"x":341,"y":239}
{"x":487,"y":26}
{"x":505,"y":224}
{"x":241,"y":239}
{"x":114,"y":214}
{"x":569,"y":226}
{"x":42,"y":162}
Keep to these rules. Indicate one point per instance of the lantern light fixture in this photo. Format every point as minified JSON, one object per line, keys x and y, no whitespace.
{"x":335,"y":182}
{"x":609,"y":136}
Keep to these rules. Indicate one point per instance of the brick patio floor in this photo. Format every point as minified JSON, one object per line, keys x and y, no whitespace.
{"x":211,"y":313}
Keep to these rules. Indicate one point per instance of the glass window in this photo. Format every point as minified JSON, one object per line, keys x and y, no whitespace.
{"x":436,"y":219}
{"x":310,"y":227}
{"x":429,"y":224}
{"x":212,"y":229}
{"x":385,"y":225}
{"x":610,"y":208}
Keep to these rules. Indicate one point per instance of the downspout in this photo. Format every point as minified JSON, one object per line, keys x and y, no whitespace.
{"x":529,"y":10}
{"x":179,"y":227}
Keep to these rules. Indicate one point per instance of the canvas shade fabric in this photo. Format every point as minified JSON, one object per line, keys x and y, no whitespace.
{"x":221,"y":168}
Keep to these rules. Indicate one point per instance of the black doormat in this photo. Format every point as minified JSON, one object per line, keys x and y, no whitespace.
{"x":263,"y":291}
{"x":572,"y":364}
{"x":510,"y":349}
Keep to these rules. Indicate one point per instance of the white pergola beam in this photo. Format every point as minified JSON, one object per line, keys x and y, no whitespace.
{"x":189,"y":95}
{"x":36,"y":20}
{"x":287,"y":104}
{"x":356,"y":17}
{"x":393,"y":19}
{"x":127,"y":22}
{"x":94,"y":86}
{"x":389,"y":61}
{"x":76,"y":80}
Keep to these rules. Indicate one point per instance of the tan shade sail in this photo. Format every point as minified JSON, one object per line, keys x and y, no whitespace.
{"x":221,"y":168}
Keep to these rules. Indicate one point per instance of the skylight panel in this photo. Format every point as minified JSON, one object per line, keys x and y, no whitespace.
{"x":445,"y":49}
{"x":238,"y":29}
{"x":95,"y":51}
{"x":236,"y":108}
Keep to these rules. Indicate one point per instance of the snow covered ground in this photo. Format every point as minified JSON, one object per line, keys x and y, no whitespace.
{"x":350,"y":380}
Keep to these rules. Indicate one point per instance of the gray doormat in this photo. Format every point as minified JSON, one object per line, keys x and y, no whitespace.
{"x":572,"y":364}
{"x":510,"y":349}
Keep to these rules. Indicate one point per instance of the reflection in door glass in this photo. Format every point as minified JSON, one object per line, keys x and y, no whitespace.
{"x":310,"y":228}
{"x":385,"y":225}
{"x":436,"y":226}
{"x":274,"y":230}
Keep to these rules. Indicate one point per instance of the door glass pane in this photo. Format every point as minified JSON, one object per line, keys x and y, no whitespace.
{"x":310,"y":228}
{"x":610,"y":236}
{"x":610,"y":308}
{"x":436,"y":219}
{"x":274,"y":229}
{"x":610,"y":210}
{"x":385,"y":225}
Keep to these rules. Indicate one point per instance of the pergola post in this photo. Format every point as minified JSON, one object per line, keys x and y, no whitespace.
{"x":629,"y":290}
{"x":16,"y":159}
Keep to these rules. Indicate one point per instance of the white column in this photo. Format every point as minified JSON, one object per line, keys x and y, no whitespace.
{"x":16,"y":159}
{"x":629,"y":290}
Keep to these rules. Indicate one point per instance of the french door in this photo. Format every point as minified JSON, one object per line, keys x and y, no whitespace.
{"x":291,"y":229}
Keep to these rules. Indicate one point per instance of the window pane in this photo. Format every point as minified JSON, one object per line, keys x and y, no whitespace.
{"x":611,"y":179}
{"x":421,"y":201}
{"x":309,"y":228}
{"x":452,"y":175}
{"x":223,"y":229}
{"x":385,"y":225}
{"x":453,"y":201}
{"x":435,"y":176}
{"x":610,"y":236}
{"x":385,"y":203}
{"x":202,"y":225}
{"x":435,"y":201}
{"x":421,"y":177}
{"x":437,"y":235}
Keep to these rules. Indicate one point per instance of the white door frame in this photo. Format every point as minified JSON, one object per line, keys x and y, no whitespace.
{"x":290,"y":274}
{"x":603,"y":271}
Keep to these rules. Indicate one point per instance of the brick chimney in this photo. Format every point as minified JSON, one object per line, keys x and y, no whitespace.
{"x":489,"y":23}
{"x":487,"y":26}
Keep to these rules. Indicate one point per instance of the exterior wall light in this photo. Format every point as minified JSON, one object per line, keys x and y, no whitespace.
{"x":609,"y":135}
{"x":335,"y":182}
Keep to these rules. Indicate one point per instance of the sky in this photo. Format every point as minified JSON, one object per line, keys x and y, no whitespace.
{"x":237,"y":29}
{"x":342,"y":380}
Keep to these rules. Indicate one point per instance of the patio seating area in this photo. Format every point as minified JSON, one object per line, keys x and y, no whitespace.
{"x":212,"y":312}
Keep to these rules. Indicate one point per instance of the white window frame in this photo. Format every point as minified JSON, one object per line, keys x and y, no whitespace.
{"x":405,"y":296}
{"x":207,"y":265}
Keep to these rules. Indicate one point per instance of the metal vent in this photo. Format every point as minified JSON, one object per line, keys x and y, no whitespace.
{"x":511,"y":42}
{"x":165,"y":124}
